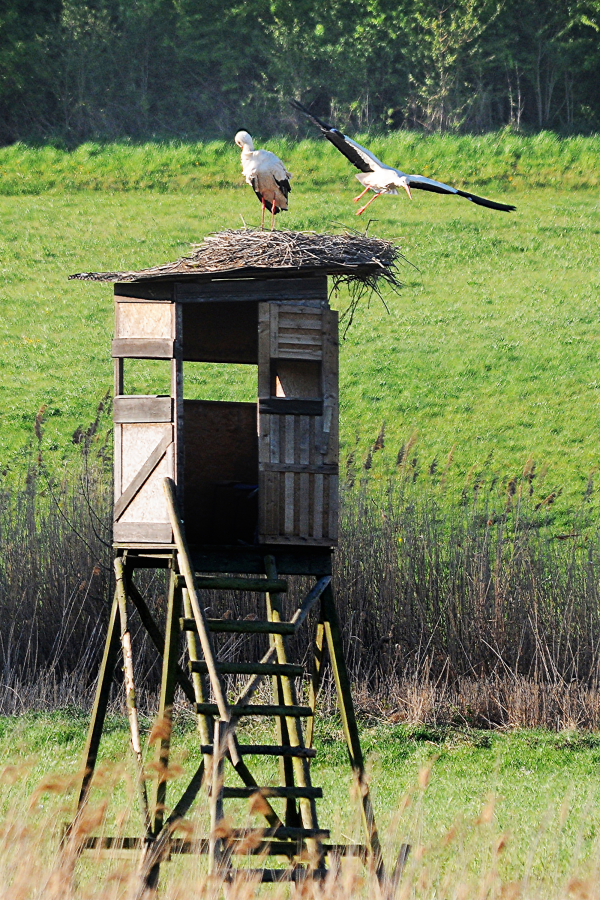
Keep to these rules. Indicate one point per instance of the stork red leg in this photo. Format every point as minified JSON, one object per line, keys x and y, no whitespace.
{"x":273,"y":213}
{"x":362,"y":194}
{"x":262,"y":218}
{"x":362,"y":209}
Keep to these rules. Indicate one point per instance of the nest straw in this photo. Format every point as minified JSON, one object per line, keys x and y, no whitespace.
{"x":362,"y":263}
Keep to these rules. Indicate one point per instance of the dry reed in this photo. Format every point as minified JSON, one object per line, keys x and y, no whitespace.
{"x":454,"y":612}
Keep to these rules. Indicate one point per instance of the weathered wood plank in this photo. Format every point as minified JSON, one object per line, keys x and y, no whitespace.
{"x":274,"y":431}
{"x":241,"y":626}
{"x":283,"y":407}
{"x":140,"y":408}
{"x":264,"y":355}
{"x":140,"y":290}
{"x":289,"y":503}
{"x":333,"y":506}
{"x":288,"y":351}
{"x":240,"y":668}
{"x":317,"y":525}
{"x":304,"y":560}
{"x":143,"y":348}
{"x":256,"y":709}
{"x":311,"y":288}
{"x":241,"y":792}
{"x":304,"y":518}
{"x":225,"y":583}
{"x":142,"y":532}
{"x":331,"y":385}
{"x":269,"y":750}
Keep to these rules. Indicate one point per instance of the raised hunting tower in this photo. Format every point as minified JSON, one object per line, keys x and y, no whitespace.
{"x":231,"y":496}
{"x":255,"y":473}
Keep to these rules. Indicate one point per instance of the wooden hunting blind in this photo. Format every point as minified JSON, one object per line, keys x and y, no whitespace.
{"x":246,"y":473}
{"x":230,"y":496}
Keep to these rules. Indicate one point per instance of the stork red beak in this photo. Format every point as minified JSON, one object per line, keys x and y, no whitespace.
{"x":407,"y":189}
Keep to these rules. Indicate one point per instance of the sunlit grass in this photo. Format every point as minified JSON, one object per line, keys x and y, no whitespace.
{"x":489,"y":352}
{"x":486,"y":814}
{"x":515,"y":161}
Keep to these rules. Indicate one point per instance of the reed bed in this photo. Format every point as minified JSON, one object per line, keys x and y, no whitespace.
{"x":465,"y":612}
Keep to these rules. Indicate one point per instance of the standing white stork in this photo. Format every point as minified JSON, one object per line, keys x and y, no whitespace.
{"x":266,"y":175}
{"x":376,"y":176}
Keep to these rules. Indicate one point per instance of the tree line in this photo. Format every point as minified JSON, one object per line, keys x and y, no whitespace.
{"x":76,"y":70}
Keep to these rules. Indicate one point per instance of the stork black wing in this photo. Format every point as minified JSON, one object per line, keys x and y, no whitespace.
{"x":284,"y":186}
{"x":491,"y":204}
{"x":438,"y":187}
{"x":339,"y":141}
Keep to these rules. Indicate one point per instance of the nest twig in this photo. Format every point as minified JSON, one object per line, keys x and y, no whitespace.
{"x":251,"y":248}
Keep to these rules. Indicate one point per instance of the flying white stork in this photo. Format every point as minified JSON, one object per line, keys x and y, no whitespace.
{"x":266,"y":175}
{"x":376,"y":176}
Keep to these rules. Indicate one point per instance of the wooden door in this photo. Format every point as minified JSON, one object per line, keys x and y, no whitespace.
{"x":298,"y":423}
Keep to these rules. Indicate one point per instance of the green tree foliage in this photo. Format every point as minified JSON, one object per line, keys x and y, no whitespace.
{"x":73,"y":70}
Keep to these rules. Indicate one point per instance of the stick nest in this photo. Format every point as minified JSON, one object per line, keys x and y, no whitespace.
{"x":363,"y":264}
{"x":353,"y":255}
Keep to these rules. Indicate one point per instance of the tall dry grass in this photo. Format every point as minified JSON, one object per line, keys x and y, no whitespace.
{"x":464,"y":609}
{"x":475,"y":857}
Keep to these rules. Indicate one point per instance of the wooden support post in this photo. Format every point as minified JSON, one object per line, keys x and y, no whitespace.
{"x":156,"y":636}
{"x":316,"y":678}
{"x":105,"y":678}
{"x":130,"y":699}
{"x":157,"y":848}
{"x":346,"y":707}
{"x":167,"y":693}
{"x":215,"y":847}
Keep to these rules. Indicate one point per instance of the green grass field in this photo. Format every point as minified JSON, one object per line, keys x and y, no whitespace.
{"x":536,"y":792}
{"x":489,"y":353}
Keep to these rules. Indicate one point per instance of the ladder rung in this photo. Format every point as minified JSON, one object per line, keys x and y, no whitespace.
{"x":267,"y":750}
{"x":228,"y":583}
{"x":256,"y":709}
{"x":249,"y":791}
{"x":241,"y":668}
{"x":242,"y":626}
{"x":272,"y":876}
{"x":283,"y":832}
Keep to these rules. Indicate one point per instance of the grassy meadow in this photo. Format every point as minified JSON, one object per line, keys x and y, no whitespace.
{"x":484,"y":366}
{"x":489,"y":815}
{"x":488,"y":354}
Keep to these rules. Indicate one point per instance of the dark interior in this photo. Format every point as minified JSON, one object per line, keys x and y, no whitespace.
{"x":220,"y":332}
{"x":220,"y":472}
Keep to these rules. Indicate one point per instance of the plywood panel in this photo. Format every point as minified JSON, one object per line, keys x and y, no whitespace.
{"x":135,"y":445}
{"x":144,"y":320}
{"x":149,"y":503}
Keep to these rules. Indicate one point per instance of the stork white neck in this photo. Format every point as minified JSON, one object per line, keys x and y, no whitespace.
{"x":244,"y":141}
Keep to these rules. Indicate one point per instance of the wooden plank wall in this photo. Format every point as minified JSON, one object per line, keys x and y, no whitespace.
{"x":298,"y":454}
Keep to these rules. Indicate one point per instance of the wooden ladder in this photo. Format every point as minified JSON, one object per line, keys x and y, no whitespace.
{"x":296,"y":835}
